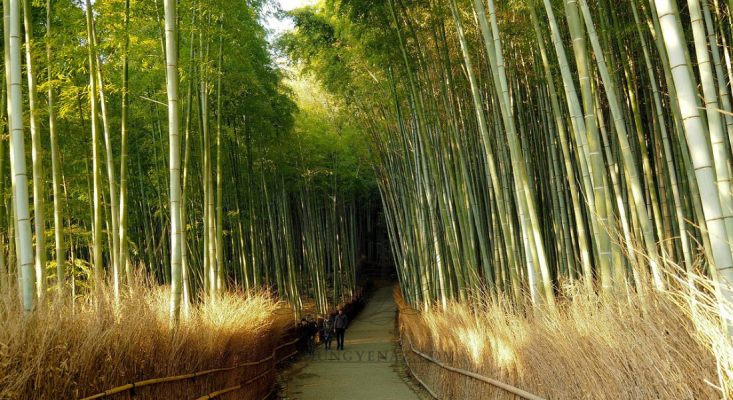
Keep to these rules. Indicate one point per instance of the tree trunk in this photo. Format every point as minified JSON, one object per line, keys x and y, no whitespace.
{"x":37,"y":153}
{"x":171,"y":41}
{"x":97,"y":202}
{"x":58,"y":219}
{"x":17,"y":160}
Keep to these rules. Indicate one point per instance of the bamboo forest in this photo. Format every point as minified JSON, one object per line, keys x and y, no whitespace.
{"x":507,"y":199}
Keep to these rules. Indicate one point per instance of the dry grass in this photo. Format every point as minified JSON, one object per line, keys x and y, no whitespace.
{"x":673,"y":348}
{"x":72,"y":351}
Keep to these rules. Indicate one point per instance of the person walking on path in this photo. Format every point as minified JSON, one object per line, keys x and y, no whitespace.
{"x":312,"y":332}
{"x":327,"y":330}
{"x":308,"y":330}
{"x":303,"y":331}
{"x":339,"y":326}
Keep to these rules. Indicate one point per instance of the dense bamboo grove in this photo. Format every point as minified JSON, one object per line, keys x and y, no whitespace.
{"x":564,"y":156}
{"x":164,"y":137}
{"x":522,"y":145}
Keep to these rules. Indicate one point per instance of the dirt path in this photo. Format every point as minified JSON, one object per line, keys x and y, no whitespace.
{"x":369,"y":367}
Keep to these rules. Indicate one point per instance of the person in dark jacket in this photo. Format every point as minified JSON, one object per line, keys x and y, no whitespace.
{"x":327,"y":330}
{"x":304,"y":337}
{"x":312,"y":332}
{"x":339,"y":327}
{"x":308,"y":330}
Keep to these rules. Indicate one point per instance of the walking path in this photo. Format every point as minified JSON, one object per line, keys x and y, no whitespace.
{"x":369,"y":367}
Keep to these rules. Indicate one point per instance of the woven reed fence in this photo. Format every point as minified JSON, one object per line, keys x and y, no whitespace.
{"x":253,"y":379}
{"x":193,"y":384}
{"x":409,"y":350}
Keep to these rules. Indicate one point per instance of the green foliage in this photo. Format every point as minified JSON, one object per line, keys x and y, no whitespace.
{"x":277,"y":134}
{"x":326,"y":146}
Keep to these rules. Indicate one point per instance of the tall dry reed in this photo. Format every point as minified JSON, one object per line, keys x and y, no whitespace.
{"x":71,"y":350}
{"x":660,"y":345}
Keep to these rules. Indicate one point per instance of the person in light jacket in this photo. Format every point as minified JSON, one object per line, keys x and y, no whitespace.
{"x":339,"y":327}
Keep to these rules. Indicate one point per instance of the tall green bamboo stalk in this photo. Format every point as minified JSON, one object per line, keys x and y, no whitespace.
{"x":171,"y":41}
{"x":55,"y":167}
{"x":26,"y":272}
{"x":36,"y":154}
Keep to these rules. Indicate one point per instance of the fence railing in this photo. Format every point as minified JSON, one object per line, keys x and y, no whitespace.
{"x":351,"y":308}
{"x":424,"y":385}
{"x":241,"y":385}
{"x":168,"y":379}
{"x":509,"y":388}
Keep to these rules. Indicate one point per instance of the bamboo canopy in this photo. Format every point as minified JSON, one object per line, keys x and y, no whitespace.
{"x":521,"y":145}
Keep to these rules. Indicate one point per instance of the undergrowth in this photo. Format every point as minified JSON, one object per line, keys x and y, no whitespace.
{"x":70,"y":350}
{"x":667,"y":344}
